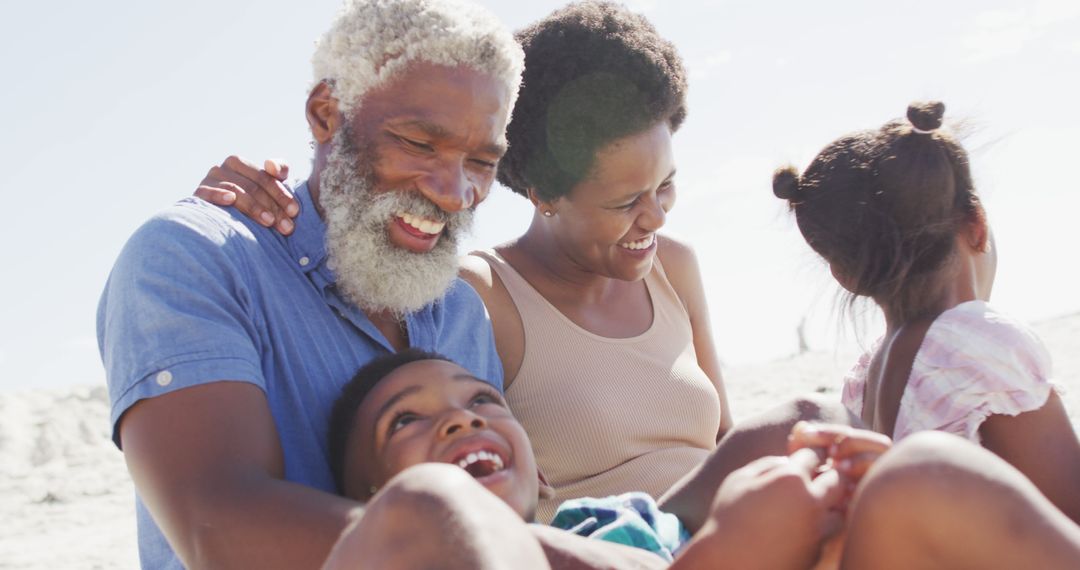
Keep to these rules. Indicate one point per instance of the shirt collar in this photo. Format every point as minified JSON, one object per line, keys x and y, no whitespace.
{"x":308,"y":240}
{"x":308,"y":245}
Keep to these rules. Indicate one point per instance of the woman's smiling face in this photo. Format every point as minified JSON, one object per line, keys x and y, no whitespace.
{"x":607,"y":224}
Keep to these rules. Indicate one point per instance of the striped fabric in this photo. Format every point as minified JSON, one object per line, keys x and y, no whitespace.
{"x":973,"y":363}
{"x":632,"y":519}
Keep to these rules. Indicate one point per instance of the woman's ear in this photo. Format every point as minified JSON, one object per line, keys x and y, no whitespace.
{"x":323,"y":116}
{"x":545,"y":207}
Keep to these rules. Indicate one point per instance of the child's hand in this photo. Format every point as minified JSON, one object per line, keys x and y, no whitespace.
{"x":773,"y":513}
{"x":849,"y":451}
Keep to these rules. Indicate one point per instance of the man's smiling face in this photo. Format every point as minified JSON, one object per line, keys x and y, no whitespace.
{"x":434,"y":411}
{"x":438,"y":132}
{"x":402,"y":179}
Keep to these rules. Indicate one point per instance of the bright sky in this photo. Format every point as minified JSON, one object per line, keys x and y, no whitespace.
{"x":112,"y":110}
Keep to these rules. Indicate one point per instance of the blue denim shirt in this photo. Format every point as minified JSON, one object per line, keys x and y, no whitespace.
{"x":203,"y":294}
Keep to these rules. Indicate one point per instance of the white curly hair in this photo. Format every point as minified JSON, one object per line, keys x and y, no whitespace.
{"x":372,"y":40}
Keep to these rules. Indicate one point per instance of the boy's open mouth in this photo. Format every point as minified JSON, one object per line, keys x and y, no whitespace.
{"x":480,"y":463}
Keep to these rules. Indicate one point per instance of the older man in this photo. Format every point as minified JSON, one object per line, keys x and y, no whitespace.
{"x":225,"y":343}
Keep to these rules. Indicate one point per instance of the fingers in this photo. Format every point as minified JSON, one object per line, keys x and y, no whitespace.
{"x":249,"y":200}
{"x":856,"y":465}
{"x":806,"y":434}
{"x":253,"y":191}
{"x":277,"y":168}
{"x":859,"y":441}
{"x":806,"y":461}
{"x":219,"y":196}
{"x":277,"y":171}
{"x":829,"y":487}
{"x":269,"y":193}
{"x":851,"y":451}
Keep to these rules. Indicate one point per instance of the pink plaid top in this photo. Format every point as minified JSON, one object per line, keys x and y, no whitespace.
{"x":973,"y":363}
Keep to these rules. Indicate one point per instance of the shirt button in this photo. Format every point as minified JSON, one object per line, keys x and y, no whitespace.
{"x":164,"y":378}
{"x":304,"y":261}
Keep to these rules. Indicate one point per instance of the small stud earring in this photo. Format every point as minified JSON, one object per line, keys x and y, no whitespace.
{"x":373,"y":489}
{"x":548,"y":213}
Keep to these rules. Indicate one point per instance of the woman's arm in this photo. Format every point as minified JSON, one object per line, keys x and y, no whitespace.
{"x":683,"y":271}
{"x":1043,"y":446}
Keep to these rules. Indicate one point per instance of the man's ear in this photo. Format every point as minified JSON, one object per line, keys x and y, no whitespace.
{"x":546,"y":490}
{"x":322,"y":113}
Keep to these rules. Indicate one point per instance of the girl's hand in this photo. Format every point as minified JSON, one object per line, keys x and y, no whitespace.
{"x":849,"y":451}
{"x":775,"y":512}
{"x":257,"y":193}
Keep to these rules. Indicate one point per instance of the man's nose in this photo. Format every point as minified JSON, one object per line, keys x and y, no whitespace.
{"x":450,"y":187}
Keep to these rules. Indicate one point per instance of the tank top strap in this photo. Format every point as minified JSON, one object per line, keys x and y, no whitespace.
{"x":528,"y":301}
{"x":538,"y":314}
{"x":664,"y":293}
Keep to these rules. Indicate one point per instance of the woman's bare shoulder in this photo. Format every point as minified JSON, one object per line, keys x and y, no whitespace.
{"x":476,"y":272}
{"x":681,"y":266}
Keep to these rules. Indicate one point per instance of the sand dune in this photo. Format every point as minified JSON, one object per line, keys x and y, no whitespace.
{"x":67,"y":500}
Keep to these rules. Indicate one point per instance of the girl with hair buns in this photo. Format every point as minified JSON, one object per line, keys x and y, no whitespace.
{"x":895,"y":214}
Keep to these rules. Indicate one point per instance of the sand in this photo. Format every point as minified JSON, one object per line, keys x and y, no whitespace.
{"x":67,"y":500}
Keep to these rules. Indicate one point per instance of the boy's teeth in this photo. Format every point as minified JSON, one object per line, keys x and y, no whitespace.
{"x":423,"y":224}
{"x":482,"y":456}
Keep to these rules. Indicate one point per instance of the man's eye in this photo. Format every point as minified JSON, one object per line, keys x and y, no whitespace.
{"x":417,"y":144}
{"x":485,"y":164}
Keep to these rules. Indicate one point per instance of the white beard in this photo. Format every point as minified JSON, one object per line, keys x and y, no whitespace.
{"x":372,"y":272}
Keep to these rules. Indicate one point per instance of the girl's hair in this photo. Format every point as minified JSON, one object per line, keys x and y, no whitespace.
{"x":594,"y":73}
{"x":883,"y":207}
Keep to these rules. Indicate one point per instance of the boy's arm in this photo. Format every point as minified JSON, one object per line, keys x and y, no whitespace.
{"x":208,"y":465}
{"x":772,"y":513}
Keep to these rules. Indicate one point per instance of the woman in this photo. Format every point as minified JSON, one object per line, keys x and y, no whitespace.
{"x":601,"y":323}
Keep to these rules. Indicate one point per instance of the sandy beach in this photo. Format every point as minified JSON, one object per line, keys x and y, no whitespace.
{"x":68,"y":501}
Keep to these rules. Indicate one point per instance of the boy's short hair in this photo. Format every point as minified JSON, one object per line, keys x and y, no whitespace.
{"x":343,"y":415}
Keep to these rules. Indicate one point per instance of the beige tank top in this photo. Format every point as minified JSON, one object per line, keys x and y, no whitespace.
{"x":610,"y":415}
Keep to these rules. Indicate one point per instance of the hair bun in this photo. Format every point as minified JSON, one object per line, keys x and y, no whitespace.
{"x":785,"y":183}
{"x":926,"y":116}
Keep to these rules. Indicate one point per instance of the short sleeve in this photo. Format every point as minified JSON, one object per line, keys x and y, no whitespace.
{"x":465,"y":333}
{"x":974,"y":363}
{"x":175,"y":312}
{"x":851,"y":396}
